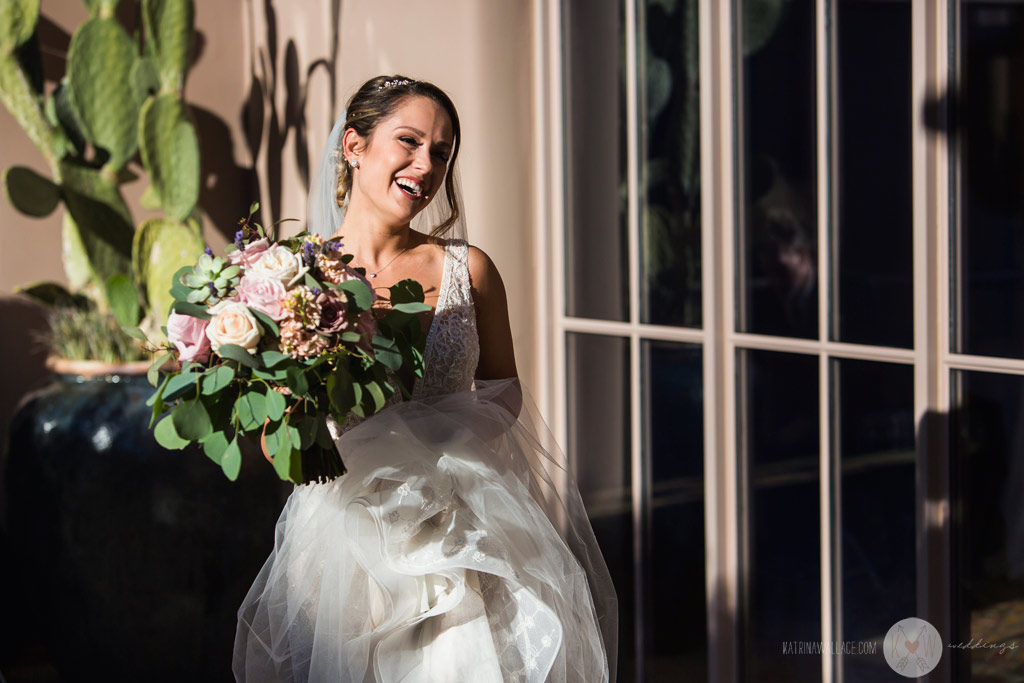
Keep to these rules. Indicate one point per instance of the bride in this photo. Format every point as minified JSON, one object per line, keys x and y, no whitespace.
{"x":455,"y":548}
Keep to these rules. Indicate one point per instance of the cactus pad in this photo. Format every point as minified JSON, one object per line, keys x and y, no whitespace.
{"x":17,"y":22}
{"x":29,"y":192}
{"x":169,"y":25}
{"x":170,"y":153}
{"x":100,"y":61}
{"x":160,"y":249}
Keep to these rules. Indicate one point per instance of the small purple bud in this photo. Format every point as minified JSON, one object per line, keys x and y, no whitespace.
{"x":209,"y":252}
{"x":316,"y":291}
{"x":212,"y":287}
{"x":239,"y":235}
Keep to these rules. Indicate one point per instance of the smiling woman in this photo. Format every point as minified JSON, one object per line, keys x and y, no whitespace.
{"x":454,"y":547}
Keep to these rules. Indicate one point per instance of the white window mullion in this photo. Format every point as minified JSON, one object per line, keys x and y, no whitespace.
{"x":827,"y":472}
{"x":930,"y":79}
{"x":719,"y":216}
{"x":637,"y":469}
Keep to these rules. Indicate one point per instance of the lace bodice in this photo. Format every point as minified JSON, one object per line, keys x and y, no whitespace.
{"x":453,"y":347}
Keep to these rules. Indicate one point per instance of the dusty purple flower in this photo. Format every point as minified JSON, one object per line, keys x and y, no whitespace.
{"x":333,"y":311}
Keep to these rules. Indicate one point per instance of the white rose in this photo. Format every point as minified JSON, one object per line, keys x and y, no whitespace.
{"x":279,"y":263}
{"x":231,"y":322}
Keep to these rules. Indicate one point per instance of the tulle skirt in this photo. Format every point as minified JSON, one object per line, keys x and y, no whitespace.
{"x":456,"y":548}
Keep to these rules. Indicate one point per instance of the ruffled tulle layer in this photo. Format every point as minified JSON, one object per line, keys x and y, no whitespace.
{"x":454,"y":549}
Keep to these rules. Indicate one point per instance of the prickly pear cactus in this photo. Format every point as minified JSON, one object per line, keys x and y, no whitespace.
{"x":100,"y":62}
{"x":113,"y":100}
{"x":170,"y":153}
{"x":160,"y":249}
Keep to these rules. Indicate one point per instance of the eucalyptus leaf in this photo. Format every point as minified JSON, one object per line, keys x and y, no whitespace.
{"x":135,"y":333}
{"x":297,"y":381}
{"x":191,"y":421}
{"x":166,"y":436}
{"x":308,"y":432}
{"x":412,"y":308}
{"x":376,"y":394}
{"x":237,"y":353}
{"x":215,"y":445}
{"x":153,"y":373}
{"x":272,"y":358}
{"x":267,"y":321}
{"x":406,"y":291}
{"x":251,"y":410}
{"x":275,"y":405}
{"x":360,"y":293}
{"x":231,"y":463}
{"x":188,"y":308}
{"x":340,"y":391}
{"x":180,"y":385}
{"x":217,"y":378}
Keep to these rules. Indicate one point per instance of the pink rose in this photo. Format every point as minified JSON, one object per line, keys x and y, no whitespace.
{"x":263,"y":294}
{"x":248,"y":256}
{"x":188,"y":335}
{"x":333,"y":312}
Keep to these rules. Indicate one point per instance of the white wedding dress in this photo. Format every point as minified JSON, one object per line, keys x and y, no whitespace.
{"x":455,"y":548}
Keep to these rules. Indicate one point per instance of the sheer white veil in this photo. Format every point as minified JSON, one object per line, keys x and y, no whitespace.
{"x":324,"y":216}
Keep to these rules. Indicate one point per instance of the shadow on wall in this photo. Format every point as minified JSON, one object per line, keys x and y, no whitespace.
{"x":267,"y":131}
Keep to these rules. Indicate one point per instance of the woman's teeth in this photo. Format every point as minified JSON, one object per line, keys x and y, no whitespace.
{"x":409,"y":186}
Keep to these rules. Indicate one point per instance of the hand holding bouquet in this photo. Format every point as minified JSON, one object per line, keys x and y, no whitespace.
{"x":270,"y":341}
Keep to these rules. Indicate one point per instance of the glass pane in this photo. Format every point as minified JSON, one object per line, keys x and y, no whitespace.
{"x":877,"y":489}
{"x":990,"y":249}
{"x":874,"y":250}
{"x":676,"y":624}
{"x":778,"y":259}
{"x":987,"y":479}
{"x":780,"y":434}
{"x":595,"y":248}
{"x":670,"y":176}
{"x":599,"y":453}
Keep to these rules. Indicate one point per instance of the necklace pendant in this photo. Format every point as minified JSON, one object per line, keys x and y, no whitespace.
{"x":371,"y":275}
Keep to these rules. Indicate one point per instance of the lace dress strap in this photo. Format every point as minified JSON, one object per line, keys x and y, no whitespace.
{"x":453,"y":348}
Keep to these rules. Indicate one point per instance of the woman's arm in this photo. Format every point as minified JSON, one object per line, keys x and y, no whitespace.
{"x":497,"y":357}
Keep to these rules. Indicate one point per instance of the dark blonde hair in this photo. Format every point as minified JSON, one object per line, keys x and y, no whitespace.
{"x":375,"y":101}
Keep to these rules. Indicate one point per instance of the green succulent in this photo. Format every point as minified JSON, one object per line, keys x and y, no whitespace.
{"x":211,"y":280}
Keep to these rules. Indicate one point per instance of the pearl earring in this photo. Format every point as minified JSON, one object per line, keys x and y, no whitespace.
{"x":354,"y":163}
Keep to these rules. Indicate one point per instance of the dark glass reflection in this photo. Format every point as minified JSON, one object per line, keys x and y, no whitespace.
{"x":599,"y":438}
{"x":780,"y":400}
{"x":595,"y":250}
{"x":991,"y":244}
{"x":670,"y":236}
{"x":676,"y":617}
{"x":877,"y":490}
{"x":778,"y":270}
{"x":987,"y":479}
{"x":874,"y":246}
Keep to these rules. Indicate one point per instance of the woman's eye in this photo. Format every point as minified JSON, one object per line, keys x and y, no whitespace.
{"x":443,"y":156}
{"x":407,"y":140}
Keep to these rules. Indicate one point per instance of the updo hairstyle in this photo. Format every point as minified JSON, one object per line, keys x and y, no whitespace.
{"x":375,"y":101}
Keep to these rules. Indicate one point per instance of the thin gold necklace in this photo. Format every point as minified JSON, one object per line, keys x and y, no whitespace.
{"x":384,"y":267}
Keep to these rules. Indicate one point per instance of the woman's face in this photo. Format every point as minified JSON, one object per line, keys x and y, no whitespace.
{"x":403,"y":162}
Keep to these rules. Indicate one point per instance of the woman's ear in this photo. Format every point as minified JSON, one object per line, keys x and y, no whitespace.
{"x":352,"y":144}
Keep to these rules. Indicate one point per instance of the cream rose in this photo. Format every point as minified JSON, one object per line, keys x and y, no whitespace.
{"x":231,"y":322}
{"x":281,"y":264}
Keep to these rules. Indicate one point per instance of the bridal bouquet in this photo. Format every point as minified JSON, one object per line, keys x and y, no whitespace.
{"x":271,"y":340}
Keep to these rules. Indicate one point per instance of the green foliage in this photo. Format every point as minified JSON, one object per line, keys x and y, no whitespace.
{"x":17,"y":22}
{"x":123,"y":299}
{"x":100,"y":62}
{"x":284,"y":400}
{"x":90,"y":128}
{"x":89,"y":334}
{"x":159,"y":249}
{"x":168,"y":27}
{"x":170,"y":153}
{"x":29,"y":192}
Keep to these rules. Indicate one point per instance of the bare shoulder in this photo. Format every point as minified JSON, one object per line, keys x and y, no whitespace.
{"x":497,"y":356}
{"x":483,"y":273}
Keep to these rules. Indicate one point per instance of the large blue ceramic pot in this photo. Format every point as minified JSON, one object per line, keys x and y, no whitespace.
{"x":130,"y":560}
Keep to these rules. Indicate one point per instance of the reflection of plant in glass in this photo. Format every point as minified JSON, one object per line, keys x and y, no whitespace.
{"x":116,"y":103}
{"x":671,"y":174}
